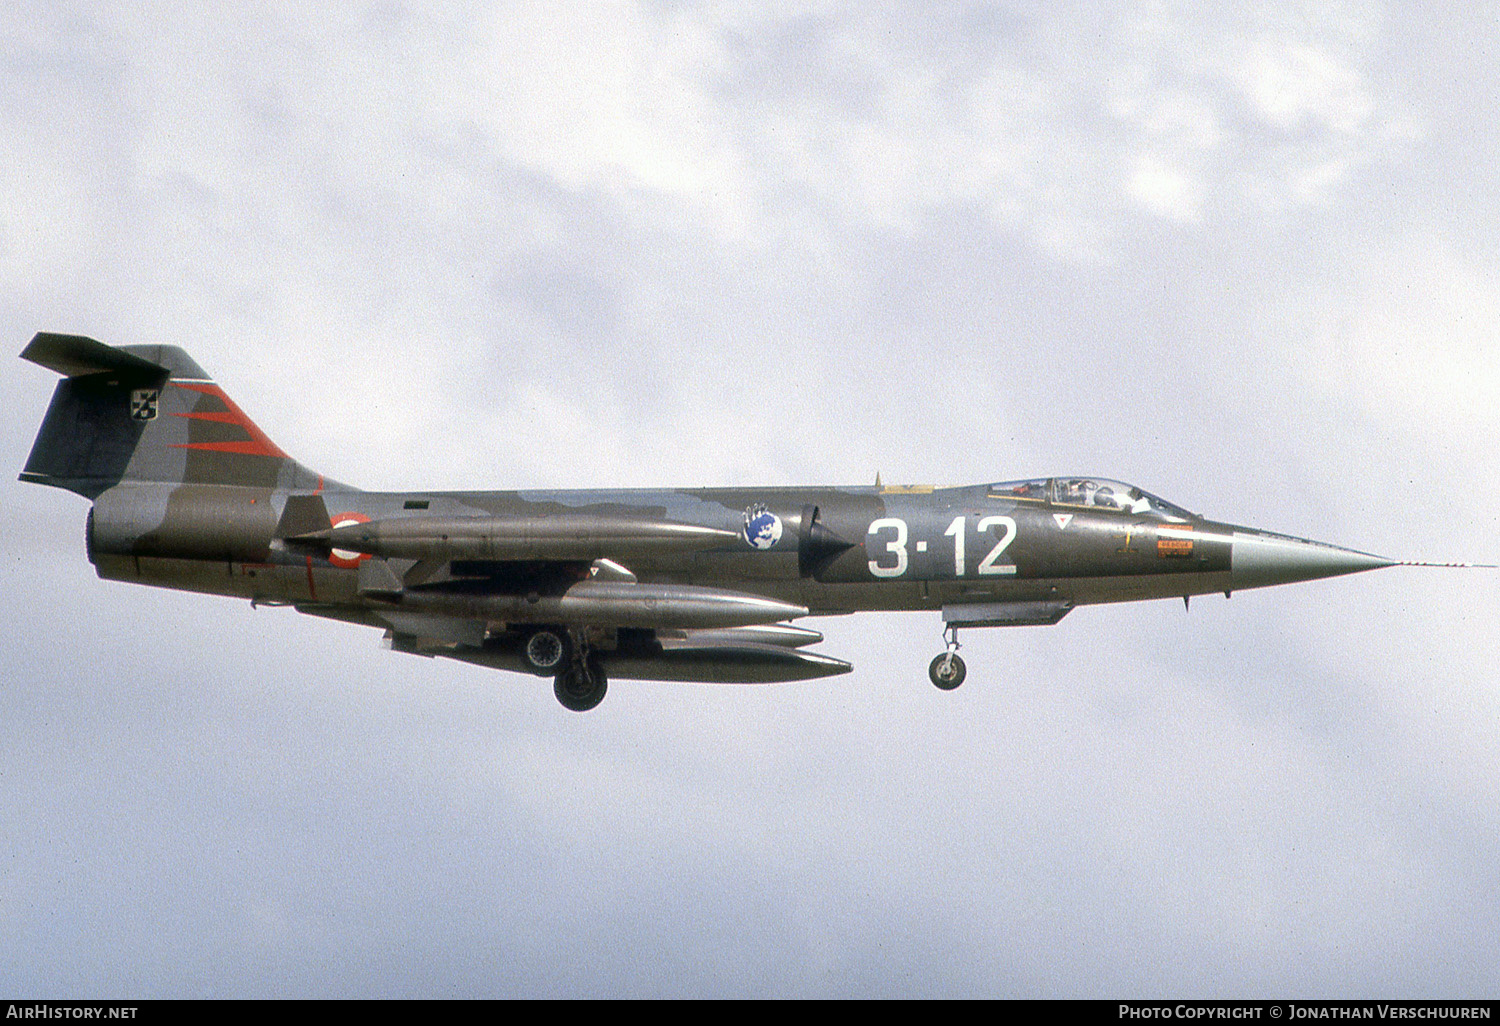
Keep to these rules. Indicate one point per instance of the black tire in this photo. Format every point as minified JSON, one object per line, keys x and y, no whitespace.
{"x":947,"y":674}
{"x":580,"y":688}
{"x":545,"y":651}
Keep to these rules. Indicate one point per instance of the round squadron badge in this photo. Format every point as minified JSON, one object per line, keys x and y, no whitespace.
{"x":762,"y":527}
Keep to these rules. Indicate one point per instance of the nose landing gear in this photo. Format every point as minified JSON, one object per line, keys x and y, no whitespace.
{"x":948,"y":671}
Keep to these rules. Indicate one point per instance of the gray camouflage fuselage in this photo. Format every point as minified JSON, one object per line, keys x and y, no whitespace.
{"x":187,"y":493}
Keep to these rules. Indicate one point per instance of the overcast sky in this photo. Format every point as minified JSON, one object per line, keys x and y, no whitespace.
{"x":1243,"y":255}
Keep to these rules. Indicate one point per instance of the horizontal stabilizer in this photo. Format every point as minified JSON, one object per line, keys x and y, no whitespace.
{"x":76,"y":355}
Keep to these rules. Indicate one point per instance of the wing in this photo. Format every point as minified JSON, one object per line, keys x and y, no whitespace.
{"x":477,"y":588}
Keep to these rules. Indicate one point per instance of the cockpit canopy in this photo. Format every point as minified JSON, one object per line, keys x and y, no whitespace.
{"x":1093,"y":492}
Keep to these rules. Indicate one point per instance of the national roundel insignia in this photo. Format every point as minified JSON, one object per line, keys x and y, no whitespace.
{"x":343,"y":558}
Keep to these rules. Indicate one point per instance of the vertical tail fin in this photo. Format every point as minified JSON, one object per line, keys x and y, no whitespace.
{"x":145,"y":413}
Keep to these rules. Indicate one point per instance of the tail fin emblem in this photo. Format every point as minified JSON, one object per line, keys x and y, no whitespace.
{"x":143,"y":403}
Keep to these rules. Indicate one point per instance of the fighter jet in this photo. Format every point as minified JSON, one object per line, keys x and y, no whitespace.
{"x":583,"y":586}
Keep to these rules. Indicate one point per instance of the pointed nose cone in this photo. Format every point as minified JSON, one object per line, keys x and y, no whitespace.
{"x":1257,"y":560}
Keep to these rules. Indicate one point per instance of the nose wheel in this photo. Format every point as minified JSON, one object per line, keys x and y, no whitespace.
{"x":948,"y":671}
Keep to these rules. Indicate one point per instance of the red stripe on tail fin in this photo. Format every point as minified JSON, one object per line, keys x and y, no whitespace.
{"x":257,"y":444}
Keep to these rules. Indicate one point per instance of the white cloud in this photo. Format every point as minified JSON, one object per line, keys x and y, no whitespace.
{"x":1415,"y":344}
{"x":616,"y":101}
{"x":47,"y":188}
{"x":1299,"y":87}
{"x":776,"y":125}
{"x":1165,"y":190}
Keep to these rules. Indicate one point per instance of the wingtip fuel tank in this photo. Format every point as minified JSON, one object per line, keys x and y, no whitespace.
{"x":561,"y":536}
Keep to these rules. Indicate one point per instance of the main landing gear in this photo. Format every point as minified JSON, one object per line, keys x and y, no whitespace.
{"x":582,"y":685}
{"x":948,"y":671}
{"x":578,"y":675}
{"x":546,"y":651}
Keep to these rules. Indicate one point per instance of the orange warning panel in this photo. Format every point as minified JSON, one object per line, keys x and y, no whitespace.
{"x":1174,"y":543}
